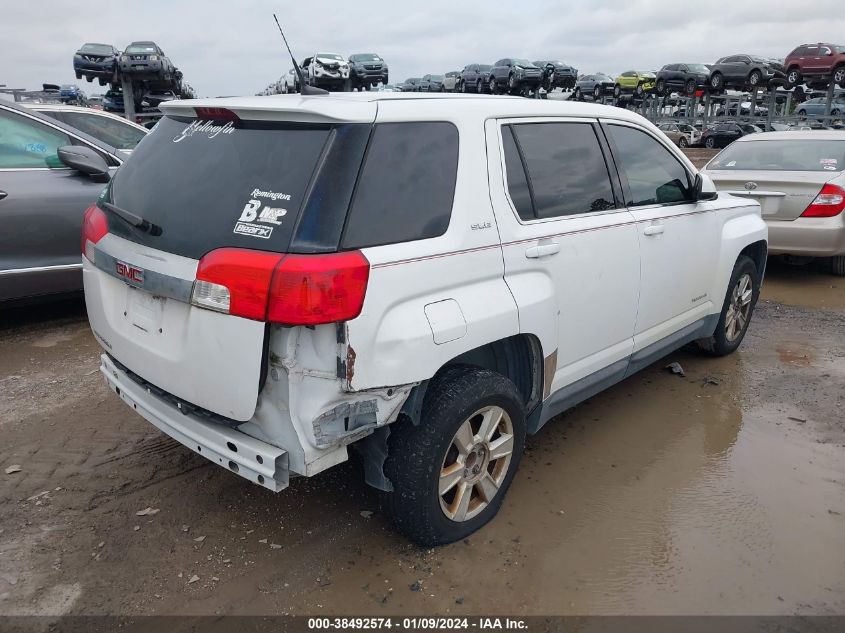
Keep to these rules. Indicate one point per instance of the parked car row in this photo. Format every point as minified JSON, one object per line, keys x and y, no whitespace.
{"x":508,"y":75}
{"x":332,"y":71}
{"x":152,"y":72}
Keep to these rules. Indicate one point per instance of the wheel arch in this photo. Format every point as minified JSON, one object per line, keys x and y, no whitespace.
{"x":757,"y":252}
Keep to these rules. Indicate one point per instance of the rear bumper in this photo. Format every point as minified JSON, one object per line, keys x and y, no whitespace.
{"x":815,"y":237}
{"x":260,"y":462}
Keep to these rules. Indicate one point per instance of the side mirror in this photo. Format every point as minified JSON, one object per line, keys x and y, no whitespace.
{"x":703,"y":188}
{"x":85,"y":160}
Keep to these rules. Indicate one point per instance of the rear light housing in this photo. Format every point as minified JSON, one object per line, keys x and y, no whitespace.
{"x":216,"y":114}
{"x":829,"y":203}
{"x":95,"y":226}
{"x":283,"y":289}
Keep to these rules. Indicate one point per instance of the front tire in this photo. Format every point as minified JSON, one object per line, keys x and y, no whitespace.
{"x":793,"y":78}
{"x":740,"y":299}
{"x":837,"y":265}
{"x":493,"y":85}
{"x":754,"y":79}
{"x":710,"y":143}
{"x":450,"y":473}
{"x":597,"y":93}
{"x":838,"y":76}
{"x":661,"y":88}
{"x":682,"y":142}
{"x":617,"y":91}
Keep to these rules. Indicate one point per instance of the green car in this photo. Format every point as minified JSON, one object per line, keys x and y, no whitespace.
{"x":636,"y":81}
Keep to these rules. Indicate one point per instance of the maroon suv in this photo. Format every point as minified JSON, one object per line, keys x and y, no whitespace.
{"x":816,"y":64}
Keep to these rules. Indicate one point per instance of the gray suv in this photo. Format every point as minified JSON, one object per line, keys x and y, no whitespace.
{"x":50,"y":173}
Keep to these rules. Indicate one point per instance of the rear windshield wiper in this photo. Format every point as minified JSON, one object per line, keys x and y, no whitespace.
{"x":133,"y":219}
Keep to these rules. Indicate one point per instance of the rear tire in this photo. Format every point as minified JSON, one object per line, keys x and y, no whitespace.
{"x":717,"y":82}
{"x":597,"y":93}
{"x":710,"y":143}
{"x":838,"y":76}
{"x":617,"y":91}
{"x":837,"y":265}
{"x":422,"y":460}
{"x":493,"y":86}
{"x":661,"y":88}
{"x":691,"y":87}
{"x":740,"y":299}
{"x":682,"y":142}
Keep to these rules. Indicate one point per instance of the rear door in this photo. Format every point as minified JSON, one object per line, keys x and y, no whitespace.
{"x":570,"y":248}
{"x":243,"y":187}
{"x":41,"y":207}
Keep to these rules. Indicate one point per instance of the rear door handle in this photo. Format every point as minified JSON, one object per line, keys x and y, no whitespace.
{"x":542,"y":250}
{"x":654,"y":229}
{"x":3,"y":194}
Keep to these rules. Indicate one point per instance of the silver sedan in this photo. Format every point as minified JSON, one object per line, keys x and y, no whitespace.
{"x":799,"y":180}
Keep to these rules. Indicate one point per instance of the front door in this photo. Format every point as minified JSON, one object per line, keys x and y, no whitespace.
{"x":570,"y":247}
{"x":41,"y":207}
{"x":676,"y":234}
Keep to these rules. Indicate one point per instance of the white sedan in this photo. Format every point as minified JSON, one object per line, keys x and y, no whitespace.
{"x":799,"y":180}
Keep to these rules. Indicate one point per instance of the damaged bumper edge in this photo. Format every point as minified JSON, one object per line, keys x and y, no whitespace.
{"x":260,"y":462}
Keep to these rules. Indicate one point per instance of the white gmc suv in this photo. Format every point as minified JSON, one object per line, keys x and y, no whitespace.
{"x":422,"y":278}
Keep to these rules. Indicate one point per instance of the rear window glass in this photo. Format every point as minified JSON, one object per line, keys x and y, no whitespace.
{"x":214,"y":184}
{"x":785,"y":155}
{"x":407,"y":184}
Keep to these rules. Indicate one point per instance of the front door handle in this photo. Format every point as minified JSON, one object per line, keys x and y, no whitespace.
{"x":542,"y":250}
{"x":654,"y":229}
{"x":3,"y":194}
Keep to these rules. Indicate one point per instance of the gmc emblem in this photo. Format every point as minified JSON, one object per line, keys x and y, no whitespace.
{"x":129,"y":272}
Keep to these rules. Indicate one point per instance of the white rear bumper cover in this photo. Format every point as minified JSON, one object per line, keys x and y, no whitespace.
{"x":260,"y":462}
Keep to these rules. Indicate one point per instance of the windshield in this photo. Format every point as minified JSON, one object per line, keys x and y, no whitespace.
{"x":760,"y":60}
{"x":522,"y":62}
{"x":782,"y":155}
{"x":364,"y":57}
{"x":141,"y":49}
{"x":114,"y":132}
{"x":215,"y":181}
{"x":97,"y":49}
{"x":329,"y":56}
{"x":698,"y":68}
{"x":484,"y":67}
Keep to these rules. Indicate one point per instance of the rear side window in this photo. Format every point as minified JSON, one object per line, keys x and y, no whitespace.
{"x":116,"y":133}
{"x":517,"y":180}
{"x":406,"y":186}
{"x":654,"y":175}
{"x":566,"y":169}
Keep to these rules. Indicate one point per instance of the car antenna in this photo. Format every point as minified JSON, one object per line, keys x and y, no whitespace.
{"x":304,"y":88}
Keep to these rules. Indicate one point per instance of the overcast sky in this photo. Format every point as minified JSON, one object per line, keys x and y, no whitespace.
{"x":234,"y":48}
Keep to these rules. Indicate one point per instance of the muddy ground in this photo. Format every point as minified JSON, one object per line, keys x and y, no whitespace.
{"x":722,"y":492}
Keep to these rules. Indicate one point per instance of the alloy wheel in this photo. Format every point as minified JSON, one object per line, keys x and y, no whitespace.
{"x":739,"y":309}
{"x":839,"y":75}
{"x":476,"y":463}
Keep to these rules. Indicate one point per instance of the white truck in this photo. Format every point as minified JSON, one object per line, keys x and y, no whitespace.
{"x":423,"y":279}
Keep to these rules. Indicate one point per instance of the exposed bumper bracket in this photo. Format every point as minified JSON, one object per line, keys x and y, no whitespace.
{"x":258,"y":461}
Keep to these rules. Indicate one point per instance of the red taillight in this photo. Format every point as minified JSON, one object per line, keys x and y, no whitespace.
{"x":95,"y":225}
{"x":284,"y":289}
{"x":830,"y":202}
{"x":216,"y":114}
{"x":314,"y":289}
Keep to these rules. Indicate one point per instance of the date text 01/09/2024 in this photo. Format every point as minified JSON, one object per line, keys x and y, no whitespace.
{"x":422,"y":623}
